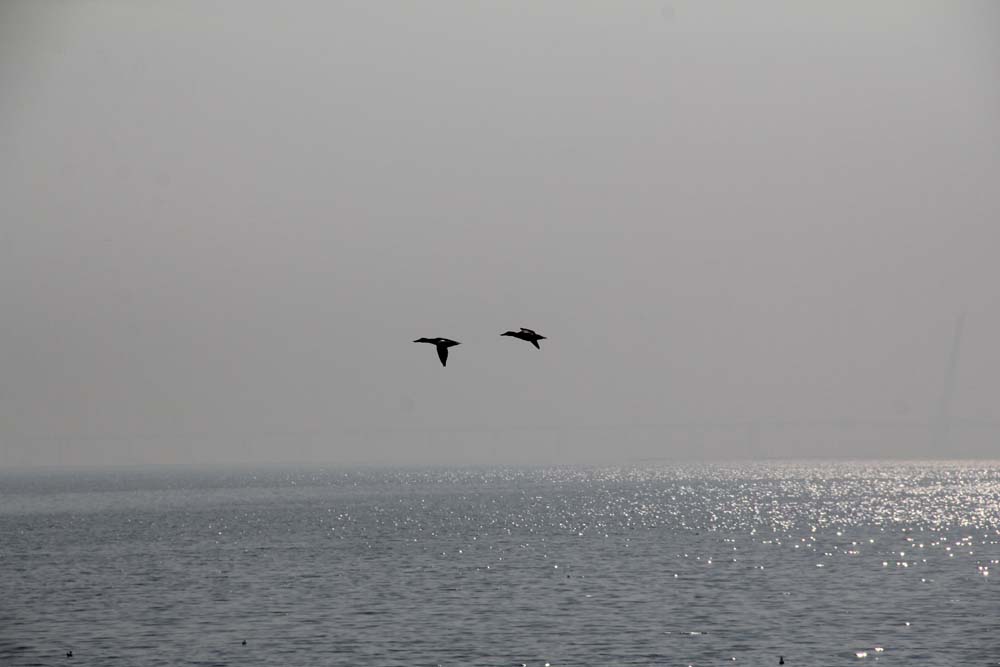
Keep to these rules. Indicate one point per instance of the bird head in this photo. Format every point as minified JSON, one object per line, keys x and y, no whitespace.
{"x":509,"y":333}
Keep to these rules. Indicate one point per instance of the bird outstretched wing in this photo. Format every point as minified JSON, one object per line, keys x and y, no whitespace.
{"x":443,"y":354}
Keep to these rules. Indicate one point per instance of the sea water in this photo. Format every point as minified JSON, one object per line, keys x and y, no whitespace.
{"x":822,"y":563}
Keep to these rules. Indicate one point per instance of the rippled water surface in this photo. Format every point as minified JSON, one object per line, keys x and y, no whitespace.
{"x":846,"y":563}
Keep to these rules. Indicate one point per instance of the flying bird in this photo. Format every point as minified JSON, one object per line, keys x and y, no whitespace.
{"x":442,"y":345}
{"x":526,"y":335}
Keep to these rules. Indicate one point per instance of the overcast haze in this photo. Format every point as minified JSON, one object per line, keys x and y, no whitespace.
{"x":224,"y":223}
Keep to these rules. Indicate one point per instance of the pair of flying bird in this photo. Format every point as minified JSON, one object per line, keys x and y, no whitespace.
{"x":442,"y":344}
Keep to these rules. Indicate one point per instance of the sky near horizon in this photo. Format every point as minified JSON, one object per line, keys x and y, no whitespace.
{"x":222,"y":224}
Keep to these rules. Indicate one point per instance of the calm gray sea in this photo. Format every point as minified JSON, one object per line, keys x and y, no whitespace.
{"x":825,"y":564}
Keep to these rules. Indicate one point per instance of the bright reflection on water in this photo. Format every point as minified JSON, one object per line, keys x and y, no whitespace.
{"x":845,"y":563}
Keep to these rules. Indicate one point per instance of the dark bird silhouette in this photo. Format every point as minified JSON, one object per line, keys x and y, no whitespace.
{"x":442,"y":345}
{"x":781,"y":659}
{"x":69,"y":654}
{"x":244,"y":642}
{"x":526,"y":335}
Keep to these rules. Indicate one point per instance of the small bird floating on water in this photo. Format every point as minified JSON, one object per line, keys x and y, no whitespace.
{"x":526,"y":335}
{"x":442,"y":345}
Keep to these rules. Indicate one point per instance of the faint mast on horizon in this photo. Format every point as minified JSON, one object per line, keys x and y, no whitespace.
{"x":941,"y":427}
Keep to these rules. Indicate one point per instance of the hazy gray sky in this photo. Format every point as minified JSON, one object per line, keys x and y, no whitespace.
{"x":222,"y":223}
